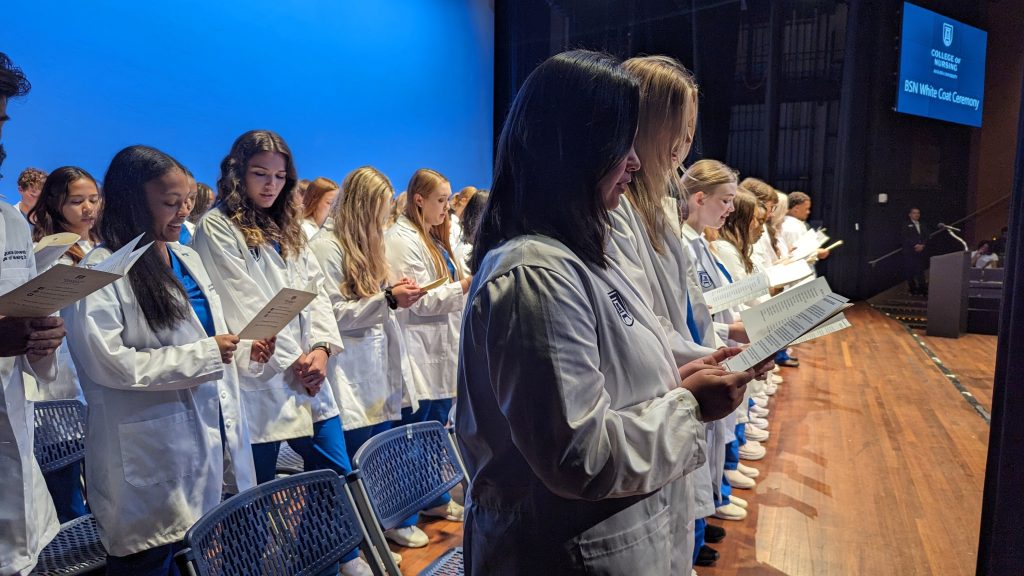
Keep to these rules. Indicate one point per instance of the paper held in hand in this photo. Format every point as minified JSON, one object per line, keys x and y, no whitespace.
{"x":739,"y":292}
{"x":782,"y":274}
{"x":63,"y":285}
{"x":435,"y":284}
{"x":791,"y":329}
{"x":277,"y":313}
{"x":50,"y":248}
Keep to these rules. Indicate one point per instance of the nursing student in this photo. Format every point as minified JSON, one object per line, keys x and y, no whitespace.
{"x":166,"y":436}
{"x":418,"y":248}
{"x":28,"y":521}
{"x":572,"y":413}
{"x":68,"y":202}
{"x":253,"y":245}
{"x":645,"y":245}
{"x":316,"y":205}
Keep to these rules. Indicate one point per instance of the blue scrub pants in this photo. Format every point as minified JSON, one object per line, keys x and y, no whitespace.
{"x":65,"y":486}
{"x":698,"y":537}
{"x":324,"y":450}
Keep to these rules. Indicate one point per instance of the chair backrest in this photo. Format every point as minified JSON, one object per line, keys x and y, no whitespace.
{"x":296,"y":526}
{"x":406,"y":468}
{"x":59,"y":434}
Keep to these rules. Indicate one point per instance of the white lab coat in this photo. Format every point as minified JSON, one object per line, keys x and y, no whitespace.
{"x":432,"y":324}
{"x":156,"y":460}
{"x":28,"y":520}
{"x":309,"y":228}
{"x":276,"y":403}
{"x":372,"y":379}
{"x":792,"y":229}
{"x":570,"y":418}
{"x":66,"y":387}
{"x":661,"y":279}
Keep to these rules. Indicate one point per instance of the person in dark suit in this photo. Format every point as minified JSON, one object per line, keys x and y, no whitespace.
{"x":915,"y":257}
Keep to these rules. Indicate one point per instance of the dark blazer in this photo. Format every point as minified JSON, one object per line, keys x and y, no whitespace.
{"x":911,"y":237}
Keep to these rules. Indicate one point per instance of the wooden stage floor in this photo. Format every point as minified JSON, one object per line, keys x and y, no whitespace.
{"x":875,"y":463}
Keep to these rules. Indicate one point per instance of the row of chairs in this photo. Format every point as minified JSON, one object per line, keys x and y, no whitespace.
{"x":299,"y":524}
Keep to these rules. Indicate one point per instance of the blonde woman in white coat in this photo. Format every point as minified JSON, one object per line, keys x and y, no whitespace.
{"x":372,"y":380}
{"x":166,"y":436}
{"x":418,"y":248}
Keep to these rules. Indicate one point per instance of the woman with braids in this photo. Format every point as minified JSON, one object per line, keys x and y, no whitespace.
{"x":165,"y":432}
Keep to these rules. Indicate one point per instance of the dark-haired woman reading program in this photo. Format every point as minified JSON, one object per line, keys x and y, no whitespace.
{"x":572,"y":414}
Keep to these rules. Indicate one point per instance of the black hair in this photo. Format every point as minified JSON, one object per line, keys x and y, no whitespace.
{"x":472,"y":212}
{"x":13,"y":82}
{"x":161,"y":296}
{"x":47,"y":214}
{"x":572,"y":121}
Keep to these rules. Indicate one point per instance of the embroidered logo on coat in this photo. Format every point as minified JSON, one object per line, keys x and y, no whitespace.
{"x":620,"y":307}
{"x":705,"y":280}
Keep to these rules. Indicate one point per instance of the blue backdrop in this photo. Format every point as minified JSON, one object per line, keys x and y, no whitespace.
{"x":399,"y":85}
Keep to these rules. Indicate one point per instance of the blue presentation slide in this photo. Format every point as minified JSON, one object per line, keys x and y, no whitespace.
{"x":942,"y":67}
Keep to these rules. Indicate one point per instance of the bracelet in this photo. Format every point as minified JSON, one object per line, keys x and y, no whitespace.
{"x":390,"y":297}
{"x":322,"y":346}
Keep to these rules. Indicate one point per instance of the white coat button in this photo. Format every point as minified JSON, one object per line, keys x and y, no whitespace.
{"x":228,"y":423}
{"x":223,"y":395}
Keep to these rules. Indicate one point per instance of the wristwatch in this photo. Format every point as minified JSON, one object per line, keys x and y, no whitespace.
{"x":323,"y":346}
{"x":392,"y":301}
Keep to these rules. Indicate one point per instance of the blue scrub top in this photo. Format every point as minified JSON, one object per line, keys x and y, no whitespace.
{"x":200,"y":304}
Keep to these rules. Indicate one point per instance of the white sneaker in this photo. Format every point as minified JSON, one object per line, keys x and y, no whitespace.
{"x":759,"y":411}
{"x":755,"y":433}
{"x":748,"y":471}
{"x":356,"y":567}
{"x":770,"y":389}
{"x":730,"y":512}
{"x":738,"y":501}
{"x":757,"y":422}
{"x":452,"y":511}
{"x":761,"y":401}
{"x":409,"y":537}
{"x":776,"y":379}
{"x":776,"y":370}
{"x":752,"y":450}
{"x":739,"y":480}
{"x":396,"y":557}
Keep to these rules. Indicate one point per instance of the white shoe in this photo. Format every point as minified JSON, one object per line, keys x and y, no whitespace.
{"x":761,"y":401}
{"x":748,"y":471}
{"x":409,"y":537}
{"x":396,"y":557}
{"x":755,"y":433}
{"x":356,"y":567}
{"x":738,"y":501}
{"x":776,"y":379}
{"x":739,"y":480}
{"x":770,"y":389}
{"x":752,"y":450}
{"x":776,"y":370}
{"x":693,"y":572}
{"x":757,"y":422}
{"x":452,"y":511}
{"x":730,"y":512}
{"x":759,"y":411}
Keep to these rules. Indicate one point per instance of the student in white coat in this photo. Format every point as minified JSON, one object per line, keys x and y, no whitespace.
{"x":28,"y":520}
{"x":69,"y":202}
{"x":471,"y":212}
{"x":166,"y":435}
{"x":418,"y":247}
{"x":316,"y":205}
{"x":572,"y":413}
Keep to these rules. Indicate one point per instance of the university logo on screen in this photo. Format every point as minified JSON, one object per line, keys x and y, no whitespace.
{"x":947,"y":34}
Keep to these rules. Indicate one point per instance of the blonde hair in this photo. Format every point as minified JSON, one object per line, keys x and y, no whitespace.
{"x":705,"y":174}
{"x":359,"y":217}
{"x":397,"y":208}
{"x":461,"y":198}
{"x":424,"y":182}
{"x":767,"y":195}
{"x":668,"y":97}
{"x":736,"y":230}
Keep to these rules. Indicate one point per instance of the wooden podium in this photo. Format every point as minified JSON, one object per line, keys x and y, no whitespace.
{"x":947,"y":294}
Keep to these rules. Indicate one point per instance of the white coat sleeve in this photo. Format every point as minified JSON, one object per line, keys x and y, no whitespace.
{"x":318,"y":325}
{"x":221,"y":252}
{"x":349,"y":314}
{"x":404,"y":260}
{"x":544,"y":370}
{"x":95,"y":325}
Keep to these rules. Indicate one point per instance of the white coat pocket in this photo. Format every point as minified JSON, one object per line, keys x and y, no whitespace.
{"x":364,"y":359}
{"x":647,"y":545}
{"x":11,"y":278}
{"x":159,"y":450}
